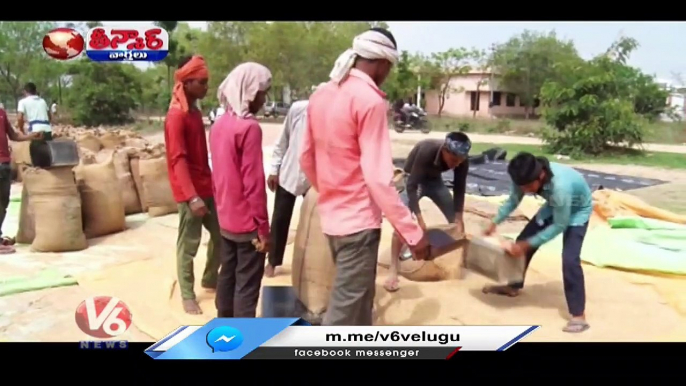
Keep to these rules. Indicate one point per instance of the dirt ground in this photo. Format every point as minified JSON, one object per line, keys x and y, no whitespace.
{"x":48,"y":315}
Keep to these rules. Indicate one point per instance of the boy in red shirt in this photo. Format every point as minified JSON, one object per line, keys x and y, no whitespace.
{"x":7,"y":132}
{"x":191,"y":179}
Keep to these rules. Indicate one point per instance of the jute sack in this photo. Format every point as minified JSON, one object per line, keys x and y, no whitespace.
{"x":158,"y":195}
{"x":89,"y":141}
{"x":134,"y":164}
{"x":86,"y":157}
{"x":111,"y":140}
{"x":138,"y":143}
{"x":26,"y":232}
{"x":20,"y":152}
{"x":101,"y":199}
{"x":54,"y":195}
{"x":127,"y":186}
{"x":313,"y":266}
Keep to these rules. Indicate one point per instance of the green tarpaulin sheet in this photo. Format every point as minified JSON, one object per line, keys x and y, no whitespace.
{"x":44,"y":279}
{"x":635,"y":244}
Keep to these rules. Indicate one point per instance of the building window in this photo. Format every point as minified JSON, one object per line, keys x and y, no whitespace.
{"x":474,"y":102}
{"x":510,"y":100}
{"x":497,"y":97}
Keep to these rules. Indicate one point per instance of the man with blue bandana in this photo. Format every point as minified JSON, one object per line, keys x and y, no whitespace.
{"x":425,"y":166}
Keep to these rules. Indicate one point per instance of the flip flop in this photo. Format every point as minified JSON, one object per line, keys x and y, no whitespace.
{"x":502,"y":290}
{"x":576,"y":326}
{"x":8,"y":240}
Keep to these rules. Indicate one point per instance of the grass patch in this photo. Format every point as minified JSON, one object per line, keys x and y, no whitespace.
{"x":673,"y":133}
{"x":618,"y":157}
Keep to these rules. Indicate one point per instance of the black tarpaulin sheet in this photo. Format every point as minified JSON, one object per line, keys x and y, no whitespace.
{"x":491,"y":179}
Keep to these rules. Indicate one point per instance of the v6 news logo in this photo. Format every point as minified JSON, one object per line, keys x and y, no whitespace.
{"x":103,"y":317}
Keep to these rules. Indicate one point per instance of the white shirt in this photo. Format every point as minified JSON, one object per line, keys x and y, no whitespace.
{"x":35,"y":109}
{"x":53,"y":108}
{"x":220,"y":111}
{"x":285,"y":159}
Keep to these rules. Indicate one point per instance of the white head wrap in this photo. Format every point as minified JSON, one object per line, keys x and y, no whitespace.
{"x":369,"y":45}
{"x":242,"y":85}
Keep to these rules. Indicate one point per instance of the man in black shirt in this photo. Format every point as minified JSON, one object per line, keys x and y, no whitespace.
{"x":425,"y":164}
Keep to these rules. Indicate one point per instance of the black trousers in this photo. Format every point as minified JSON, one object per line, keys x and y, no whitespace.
{"x":5,"y":188}
{"x":284,"y":202}
{"x":240,"y":279}
{"x":572,"y":272}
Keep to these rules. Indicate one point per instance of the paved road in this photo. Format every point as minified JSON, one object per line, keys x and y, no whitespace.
{"x":271,"y":133}
{"x":272,"y":130}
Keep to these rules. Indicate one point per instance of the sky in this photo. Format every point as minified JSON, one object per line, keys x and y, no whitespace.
{"x":662,"y":50}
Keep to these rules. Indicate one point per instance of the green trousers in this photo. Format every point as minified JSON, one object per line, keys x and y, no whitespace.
{"x":187,"y":244}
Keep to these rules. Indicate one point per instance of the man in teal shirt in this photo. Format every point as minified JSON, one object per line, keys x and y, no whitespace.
{"x":567,"y":210}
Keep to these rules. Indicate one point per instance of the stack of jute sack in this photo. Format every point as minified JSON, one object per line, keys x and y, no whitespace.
{"x":118,"y":174}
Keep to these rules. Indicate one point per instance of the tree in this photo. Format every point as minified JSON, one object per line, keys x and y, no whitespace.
{"x":482,"y":64}
{"x":102,"y":95}
{"x":600,"y":103}
{"x":526,"y":61}
{"x":444,"y":67}
{"x":174,"y":53}
{"x":21,"y":54}
{"x":401,"y":82}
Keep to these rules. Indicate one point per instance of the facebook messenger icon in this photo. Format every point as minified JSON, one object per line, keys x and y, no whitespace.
{"x":224,"y":339}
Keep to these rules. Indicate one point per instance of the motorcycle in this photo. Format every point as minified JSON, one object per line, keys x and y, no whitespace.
{"x":415,"y":120}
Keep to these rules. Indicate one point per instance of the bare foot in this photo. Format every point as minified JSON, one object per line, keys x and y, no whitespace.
{"x":191,"y":306}
{"x":392,"y":284}
{"x":503,"y":290}
{"x":269,"y":271}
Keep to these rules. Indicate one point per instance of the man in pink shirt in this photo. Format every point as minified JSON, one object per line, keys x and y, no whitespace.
{"x":240,"y":190}
{"x":346,"y":156}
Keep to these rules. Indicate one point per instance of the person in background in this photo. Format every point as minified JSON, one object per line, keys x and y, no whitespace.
{"x":53,"y":108}
{"x":33,"y":111}
{"x":240,"y":189}
{"x":7,"y":134}
{"x":191,"y":179}
{"x":287,"y":181}
{"x":567,"y":211}
{"x":425,"y":165}
{"x":346,"y":156}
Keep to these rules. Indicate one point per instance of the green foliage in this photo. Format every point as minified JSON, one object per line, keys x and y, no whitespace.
{"x":446,"y":65}
{"x":102,"y":94}
{"x":405,"y":77}
{"x":600,"y":103}
{"x":526,"y":61}
{"x":590,"y":104}
{"x":22,"y":56}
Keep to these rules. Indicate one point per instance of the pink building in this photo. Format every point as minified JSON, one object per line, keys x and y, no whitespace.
{"x":463,"y":99}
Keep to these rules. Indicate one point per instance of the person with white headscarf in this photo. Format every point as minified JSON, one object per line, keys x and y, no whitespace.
{"x":287,"y":181}
{"x":240,"y":190}
{"x":346,"y":156}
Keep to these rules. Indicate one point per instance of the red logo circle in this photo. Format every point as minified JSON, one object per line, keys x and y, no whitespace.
{"x":103,"y":317}
{"x":63,"y":43}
